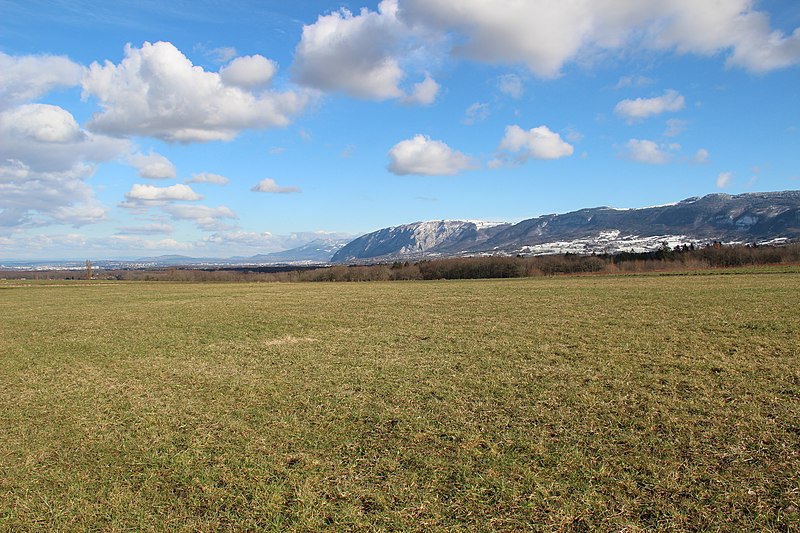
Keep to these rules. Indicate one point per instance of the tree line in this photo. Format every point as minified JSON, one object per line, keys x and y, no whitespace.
{"x":664,"y":258}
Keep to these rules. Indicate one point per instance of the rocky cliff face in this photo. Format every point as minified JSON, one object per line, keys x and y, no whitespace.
{"x":420,"y":239}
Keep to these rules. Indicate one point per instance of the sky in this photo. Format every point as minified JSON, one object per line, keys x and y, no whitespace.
{"x":214,"y":129}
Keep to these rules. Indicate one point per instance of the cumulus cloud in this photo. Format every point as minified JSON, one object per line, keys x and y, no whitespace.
{"x":249,"y":72}
{"x":207,"y":218}
{"x":153,"y":166}
{"x":45,"y":159}
{"x":207,"y":177}
{"x":723,"y":179}
{"x":367,"y":54}
{"x":47,"y":138}
{"x":35,"y":198}
{"x":541,"y":35}
{"x":538,"y":143}
{"x":26,"y":78}
{"x":152,"y":195}
{"x":423,"y":156}
{"x":363,"y":55}
{"x":352,"y":53}
{"x":546,"y":35}
{"x":642,"y":108}
{"x":156,"y":91}
{"x":42,"y":123}
{"x":269,"y":185}
{"x":645,"y":151}
{"x":424,"y":92}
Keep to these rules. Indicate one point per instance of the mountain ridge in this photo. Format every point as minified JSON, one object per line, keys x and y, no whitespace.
{"x":748,"y":217}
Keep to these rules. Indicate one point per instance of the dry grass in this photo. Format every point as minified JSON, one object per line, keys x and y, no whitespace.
{"x":601,"y":403}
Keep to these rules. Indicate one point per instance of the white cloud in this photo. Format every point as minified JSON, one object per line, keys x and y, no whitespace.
{"x":675,"y":127}
{"x":128,"y":242}
{"x":545,"y":35}
{"x":723,"y":179}
{"x":153,"y":166}
{"x":423,"y":156}
{"x":424,"y":92}
{"x":365,"y":55}
{"x":45,"y":158}
{"x":573,"y":135}
{"x":511,"y":84}
{"x":703,"y":28}
{"x":222,"y":54}
{"x":207,"y":218}
{"x":207,"y":177}
{"x":700,"y":157}
{"x":147,"y":229}
{"x":31,"y":245}
{"x":249,"y":72}
{"x":39,"y":246}
{"x":26,"y":78}
{"x":35,"y":198}
{"x":477,"y":112}
{"x":152,"y":195}
{"x":47,"y":138}
{"x":41,"y":123}
{"x":264,"y":242}
{"x":642,"y":108}
{"x":156,"y":91}
{"x":352,"y":53}
{"x":539,"y":143}
{"x":644,"y":151}
{"x":541,"y":35}
{"x":633,"y":81}
{"x":269,"y":185}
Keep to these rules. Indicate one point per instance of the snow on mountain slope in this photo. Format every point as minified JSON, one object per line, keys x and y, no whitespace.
{"x":751,"y":217}
{"x":433,"y":237}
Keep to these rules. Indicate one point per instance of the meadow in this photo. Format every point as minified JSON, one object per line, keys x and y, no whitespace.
{"x":587,"y":403}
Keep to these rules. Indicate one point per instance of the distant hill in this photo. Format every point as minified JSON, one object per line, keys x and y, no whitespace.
{"x":751,"y":217}
{"x":167,"y":259}
{"x":319,"y":251}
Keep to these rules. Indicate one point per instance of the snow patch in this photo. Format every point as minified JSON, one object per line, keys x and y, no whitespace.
{"x":606,"y":242}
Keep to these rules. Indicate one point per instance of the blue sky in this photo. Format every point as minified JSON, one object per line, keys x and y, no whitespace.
{"x":214,"y":129}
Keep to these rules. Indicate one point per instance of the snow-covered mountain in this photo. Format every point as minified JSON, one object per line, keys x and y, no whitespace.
{"x":752,"y":217}
{"x":420,"y":239}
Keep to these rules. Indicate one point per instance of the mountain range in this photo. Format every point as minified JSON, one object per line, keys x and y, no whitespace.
{"x":743,"y":218}
{"x":766,"y":217}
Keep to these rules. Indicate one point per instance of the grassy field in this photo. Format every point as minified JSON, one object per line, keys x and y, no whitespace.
{"x":586,"y":403}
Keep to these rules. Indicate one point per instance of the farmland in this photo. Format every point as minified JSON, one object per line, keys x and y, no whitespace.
{"x":565,"y":403}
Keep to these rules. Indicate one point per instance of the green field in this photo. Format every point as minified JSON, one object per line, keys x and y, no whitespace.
{"x":582,"y":403}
